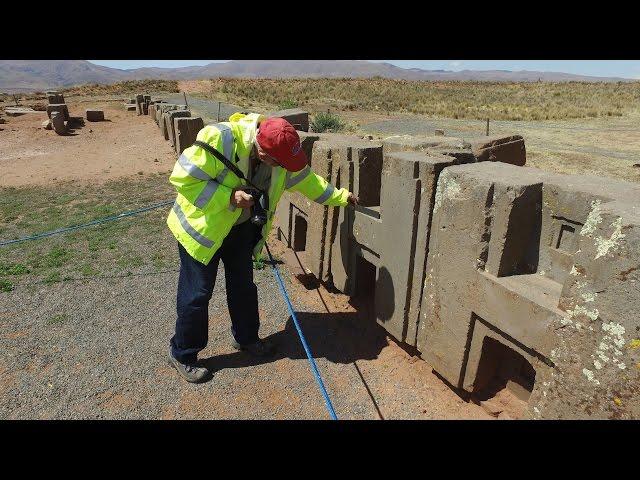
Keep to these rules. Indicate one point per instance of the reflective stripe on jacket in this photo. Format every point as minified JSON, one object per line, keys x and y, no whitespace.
{"x":202,"y":214}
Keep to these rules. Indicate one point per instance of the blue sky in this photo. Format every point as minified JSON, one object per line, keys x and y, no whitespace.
{"x":600,"y":68}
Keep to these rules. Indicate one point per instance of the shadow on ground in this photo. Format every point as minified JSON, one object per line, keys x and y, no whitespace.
{"x":338,"y":337}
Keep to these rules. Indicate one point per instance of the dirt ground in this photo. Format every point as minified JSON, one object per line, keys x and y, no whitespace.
{"x":396,"y":366}
{"x":123,"y":145}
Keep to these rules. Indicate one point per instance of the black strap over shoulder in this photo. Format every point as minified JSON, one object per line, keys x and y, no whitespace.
{"x":227,"y":163}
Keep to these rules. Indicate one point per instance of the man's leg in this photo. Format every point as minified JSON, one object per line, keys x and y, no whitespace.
{"x":195,"y":287}
{"x":242,"y":293}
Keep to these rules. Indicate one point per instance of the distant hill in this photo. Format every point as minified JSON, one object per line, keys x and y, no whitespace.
{"x":29,"y":75}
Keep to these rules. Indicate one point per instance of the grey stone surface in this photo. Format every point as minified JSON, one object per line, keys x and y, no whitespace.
{"x":60,"y":107}
{"x":139,"y":102}
{"x":57,"y":122}
{"x":295,"y":116}
{"x":399,"y":143}
{"x":94,"y":115}
{"x":502,"y":276}
{"x":509,"y":149}
{"x":186,"y":131}
{"x":523,"y":256}
{"x":165,"y":107}
{"x":169,"y":126}
{"x":55,"y":98}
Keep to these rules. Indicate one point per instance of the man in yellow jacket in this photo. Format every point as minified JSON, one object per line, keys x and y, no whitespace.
{"x":211,"y":221}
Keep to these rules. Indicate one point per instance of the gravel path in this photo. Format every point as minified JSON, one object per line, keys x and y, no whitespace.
{"x":96,"y":349}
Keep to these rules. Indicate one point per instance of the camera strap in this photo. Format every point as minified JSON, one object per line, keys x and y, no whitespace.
{"x":226,"y":162}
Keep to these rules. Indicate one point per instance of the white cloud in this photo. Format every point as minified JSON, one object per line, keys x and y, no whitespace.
{"x":455,"y":64}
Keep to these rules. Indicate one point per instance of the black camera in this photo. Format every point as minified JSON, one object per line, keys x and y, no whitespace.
{"x":260,"y":206}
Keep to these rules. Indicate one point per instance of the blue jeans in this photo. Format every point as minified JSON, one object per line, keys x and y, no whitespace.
{"x":195,"y":287}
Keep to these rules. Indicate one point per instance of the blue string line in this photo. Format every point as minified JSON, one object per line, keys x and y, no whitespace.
{"x":314,"y":368}
{"x":85,"y":225}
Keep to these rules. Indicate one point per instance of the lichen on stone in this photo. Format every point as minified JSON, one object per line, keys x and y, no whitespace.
{"x":604,"y":245}
{"x":593,"y":220}
{"x":447,"y":188}
{"x":589,"y":374}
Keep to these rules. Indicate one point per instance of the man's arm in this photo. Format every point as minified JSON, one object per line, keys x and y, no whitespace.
{"x":316,"y":188}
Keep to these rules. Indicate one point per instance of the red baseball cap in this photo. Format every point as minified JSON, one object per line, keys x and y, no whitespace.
{"x":279,"y":139}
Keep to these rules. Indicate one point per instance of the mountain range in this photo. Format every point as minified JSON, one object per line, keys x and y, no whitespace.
{"x":30,"y":75}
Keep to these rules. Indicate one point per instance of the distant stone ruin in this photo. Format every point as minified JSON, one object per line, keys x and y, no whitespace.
{"x":58,"y":114}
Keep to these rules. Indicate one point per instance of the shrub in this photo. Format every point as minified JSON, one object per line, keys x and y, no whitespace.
{"x":326,"y":122}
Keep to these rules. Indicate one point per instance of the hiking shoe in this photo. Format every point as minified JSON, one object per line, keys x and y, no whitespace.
{"x":191,"y":373}
{"x":260,"y":348}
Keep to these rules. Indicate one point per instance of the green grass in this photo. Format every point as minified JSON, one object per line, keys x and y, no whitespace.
{"x":52,"y":277}
{"x":286,"y":104}
{"x":472,"y":100}
{"x":6,"y":285}
{"x":326,"y":122}
{"x":56,"y":257}
{"x":88,"y":270}
{"x":130,"y":259}
{"x":125,"y":246}
{"x":13,"y":269}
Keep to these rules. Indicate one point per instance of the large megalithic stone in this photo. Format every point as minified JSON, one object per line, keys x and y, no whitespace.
{"x":167,"y":118}
{"x":529,"y":282}
{"x":342,"y":161}
{"x":164,"y":107}
{"x":139,"y":102}
{"x":94,"y":115}
{"x":409,"y":182}
{"x":297,"y":117}
{"x":57,"y":122}
{"x":186,"y":131}
{"x":434,"y":145}
{"x":55,"y":98}
{"x":60,"y":107}
{"x":509,"y":149}
{"x":472,"y":207}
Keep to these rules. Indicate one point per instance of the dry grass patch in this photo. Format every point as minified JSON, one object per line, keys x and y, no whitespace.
{"x":472,"y":100}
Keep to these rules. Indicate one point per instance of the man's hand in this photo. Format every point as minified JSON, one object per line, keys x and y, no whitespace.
{"x":241,"y":199}
{"x":353,"y":200}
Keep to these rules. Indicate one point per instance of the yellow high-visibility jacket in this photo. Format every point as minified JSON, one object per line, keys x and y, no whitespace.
{"x":202,"y":214}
